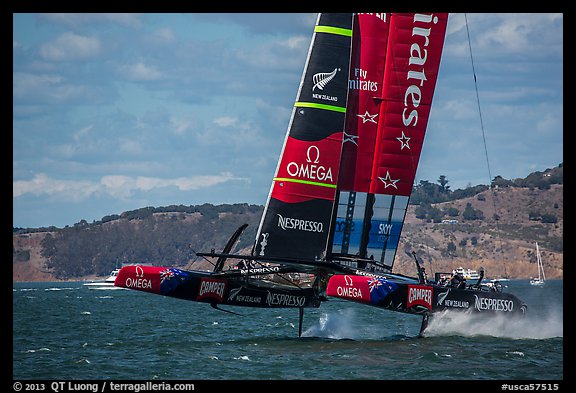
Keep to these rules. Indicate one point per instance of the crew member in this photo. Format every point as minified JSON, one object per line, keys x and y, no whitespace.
{"x":457,"y":280}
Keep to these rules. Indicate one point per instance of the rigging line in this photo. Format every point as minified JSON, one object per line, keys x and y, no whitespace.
{"x":203,"y":257}
{"x":493,"y":191}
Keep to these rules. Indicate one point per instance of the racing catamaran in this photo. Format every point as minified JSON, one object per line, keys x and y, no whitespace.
{"x":340,"y":192}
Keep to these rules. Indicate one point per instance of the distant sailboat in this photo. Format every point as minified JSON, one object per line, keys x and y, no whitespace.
{"x":541,"y":280}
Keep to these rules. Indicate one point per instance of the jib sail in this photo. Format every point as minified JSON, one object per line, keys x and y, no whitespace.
{"x":385,"y":129}
{"x":297,"y":216}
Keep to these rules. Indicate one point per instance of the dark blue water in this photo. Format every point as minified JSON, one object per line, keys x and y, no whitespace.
{"x":67,"y":331}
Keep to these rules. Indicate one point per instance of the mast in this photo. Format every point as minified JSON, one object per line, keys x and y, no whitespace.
{"x":297,"y":216}
{"x":372,"y":207}
{"x":541,"y":275}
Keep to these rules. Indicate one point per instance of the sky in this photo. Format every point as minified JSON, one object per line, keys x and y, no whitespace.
{"x":115,"y":112}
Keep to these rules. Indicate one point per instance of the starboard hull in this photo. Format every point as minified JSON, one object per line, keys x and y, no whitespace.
{"x":423,"y":299}
{"x":215,"y":289}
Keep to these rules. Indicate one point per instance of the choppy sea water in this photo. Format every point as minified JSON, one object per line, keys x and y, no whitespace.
{"x":66,"y":331}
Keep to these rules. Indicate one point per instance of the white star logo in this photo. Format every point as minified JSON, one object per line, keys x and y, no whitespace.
{"x":368,"y":117}
{"x":350,"y":138}
{"x":404,"y":141}
{"x":388,"y":181}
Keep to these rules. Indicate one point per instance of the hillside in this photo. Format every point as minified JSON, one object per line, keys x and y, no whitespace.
{"x":502,"y":247}
{"x":494,"y":228}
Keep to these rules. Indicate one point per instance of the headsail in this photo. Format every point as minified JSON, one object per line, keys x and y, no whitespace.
{"x":296,"y":219}
{"x":381,"y":159}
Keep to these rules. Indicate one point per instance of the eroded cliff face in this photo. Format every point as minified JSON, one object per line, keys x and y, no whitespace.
{"x":27,"y":261}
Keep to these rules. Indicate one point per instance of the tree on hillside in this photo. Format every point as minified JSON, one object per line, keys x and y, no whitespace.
{"x":472,"y":214}
{"x":499,"y":181}
{"x":452,"y":211}
{"x":426,"y":192}
{"x":443,"y":183}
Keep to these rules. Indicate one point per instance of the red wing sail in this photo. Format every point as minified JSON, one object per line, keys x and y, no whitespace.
{"x":384,"y":132}
{"x":297,"y":216}
{"x":369,"y":44}
{"x":412,"y":64}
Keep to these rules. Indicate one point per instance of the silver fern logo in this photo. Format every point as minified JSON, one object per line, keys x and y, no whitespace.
{"x":321,"y":79}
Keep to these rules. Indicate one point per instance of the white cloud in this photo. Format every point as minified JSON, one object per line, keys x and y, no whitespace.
{"x":41,"y":184}
{"x":75,"y":20}
{"x":225,"y":121}
{"x":82,"y":132}
{"x":124,"y":186}
{"x":459,"y":109}
{"x":163,"y":36}
{"x":117,"y":186}
{"x":180,"y":125}
{"x":297,"y":42}
{"x":130,"y":146}
{"x":286,"y":53}
{"x":50,"y":89}
{"x":140,"y":72}
{"x":24,"y":84}
{"x":70,"y":46}
{"x":505,"y":35}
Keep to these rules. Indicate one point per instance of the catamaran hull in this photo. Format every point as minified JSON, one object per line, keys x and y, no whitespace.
{"x":212,"y":288}
{"x":423,"y":299}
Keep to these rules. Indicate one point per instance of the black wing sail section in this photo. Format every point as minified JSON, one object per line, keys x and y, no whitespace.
{"x":296,"y":219}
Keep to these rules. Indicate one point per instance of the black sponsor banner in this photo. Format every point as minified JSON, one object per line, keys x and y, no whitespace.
{"x":295,"y":231}
{"x":271,"y":297}
{"x":476,"y":301}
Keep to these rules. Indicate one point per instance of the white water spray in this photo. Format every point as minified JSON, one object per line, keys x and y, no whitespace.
{"x":334,"y":325}
{"x":548,"y":325}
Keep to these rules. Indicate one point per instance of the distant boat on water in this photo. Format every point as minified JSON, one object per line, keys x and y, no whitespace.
{"x":469,"y":274}
{"x":541,"y":280}
{"x":108,"y":283}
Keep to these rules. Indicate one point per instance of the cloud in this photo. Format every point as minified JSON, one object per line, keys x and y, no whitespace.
{"x":78,"y":20}
{"x":70,"y":46}
{"x":226,"y":121}
{"x":24,"y":84}
{"x":163,"y":36}
{"x":117,"y":186}
{"x":180,"y":126}
{"x":41,"y":184}
{"x":507,"y":35}
{"x":140,"y":72}
{"x":125,"y":186}
{"x":278,"y":54}
{"x":78,"y":135}
{"x":30,"y":89}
